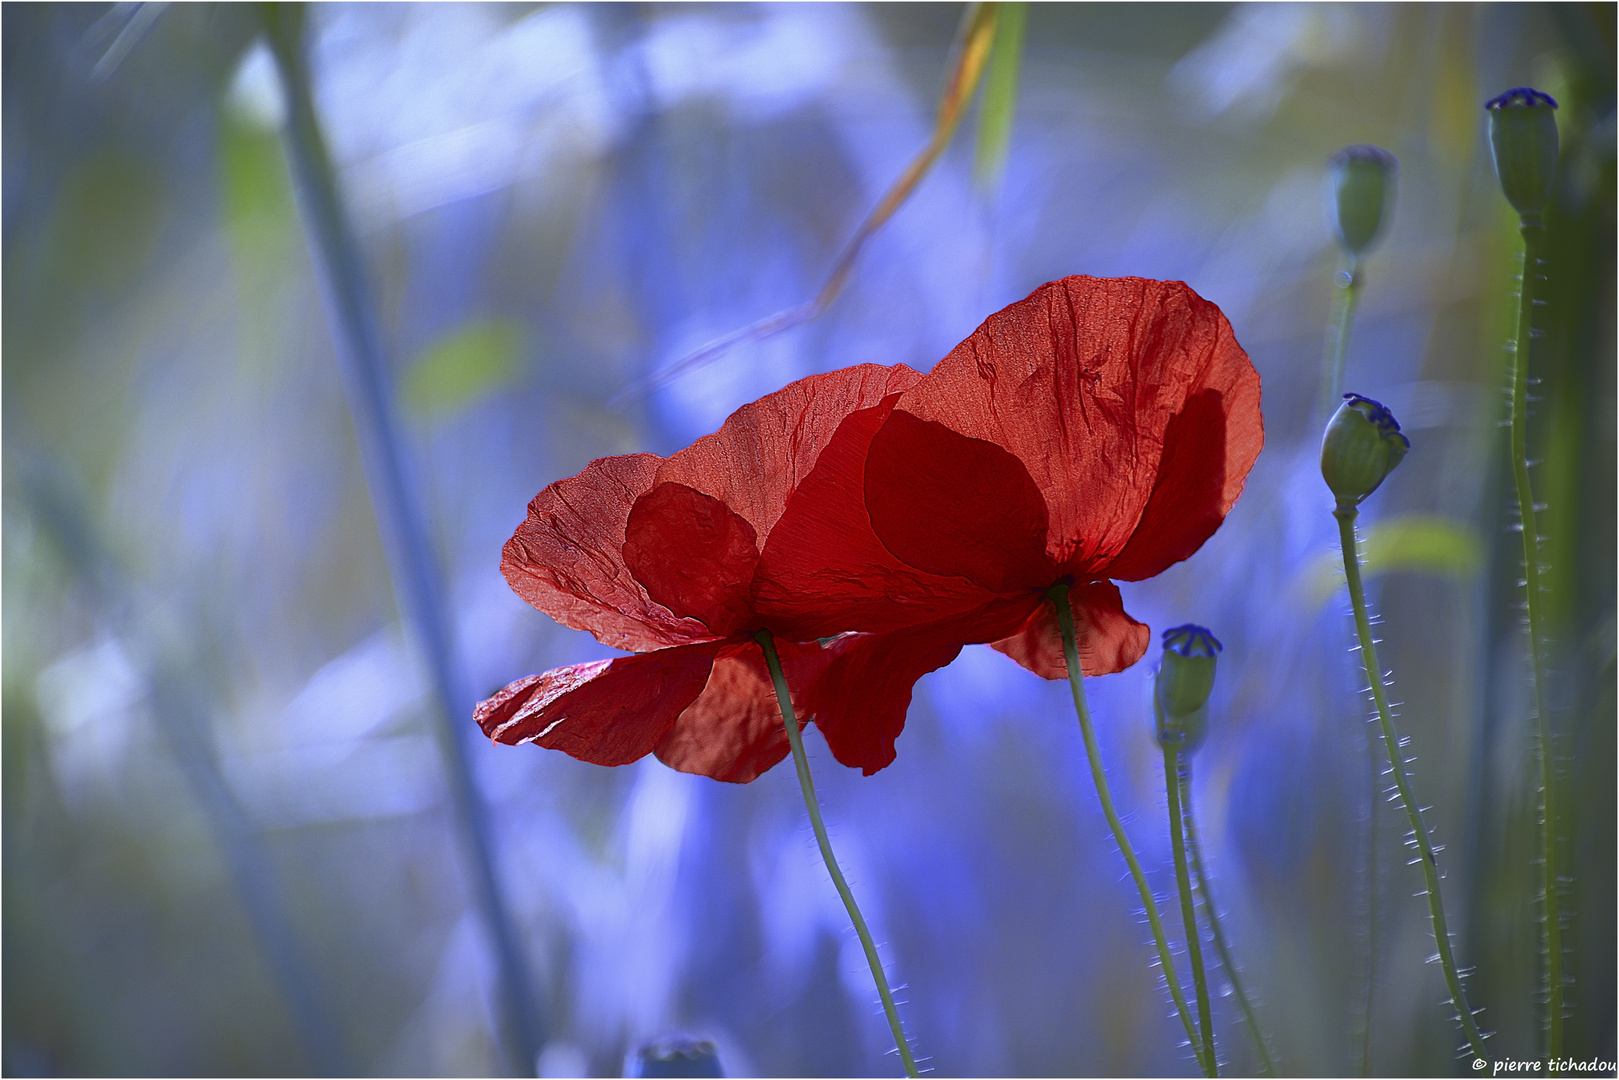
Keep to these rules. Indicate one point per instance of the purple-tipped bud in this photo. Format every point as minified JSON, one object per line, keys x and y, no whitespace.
{"x":1363,"y":444}
{"x":1185,"y":681}
{"x":1523,"y":142}
{"x":678,"y":1056}
{"x":1362,"y":186}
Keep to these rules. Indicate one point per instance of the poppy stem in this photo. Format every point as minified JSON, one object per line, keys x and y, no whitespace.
{"x":1065,"y":619}
{"x":1183,"y":881}
{"x":1343,"y":314}
{"x":1346,"y":514}
{"x":811,"y":803}
{"x":1533,"y":232}
{"x":1195,"y":848}
{"x":1374,"y":770}
{"x":1346,"y":297}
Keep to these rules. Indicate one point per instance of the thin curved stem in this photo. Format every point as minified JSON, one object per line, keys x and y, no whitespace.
{"x":1346,"y":514}
{"x":1183,"y":881}
{"x":1372,"y":785}
{"x":807,"y":785}
{"x":1194,"y":847}
{"x":1533,"y":231}
{"x":1065,"y":619}
{"x":1343,"y":314}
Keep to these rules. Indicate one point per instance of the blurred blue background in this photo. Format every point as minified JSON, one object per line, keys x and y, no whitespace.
{"x":228,"y":847}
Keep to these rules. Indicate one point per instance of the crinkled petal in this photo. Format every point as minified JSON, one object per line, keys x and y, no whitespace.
{"x":823,"y":570}
{"x":956,"y":506}
{"x":609,"y":712}
{"x":861,"y":700}
{"x":1197,"y":480}
{"x":567,"y":558}
{"x":734,"y":730}
{"x":1108,"y":639}
{"x":760,"y":455}
{"x":1081,"y":381}
{"x":693,"y":556}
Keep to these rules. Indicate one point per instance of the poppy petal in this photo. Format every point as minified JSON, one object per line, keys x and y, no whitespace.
{"x":567,"y":558}
{"x":824,"y":571}
{"x":1197,"y":483}
{"x":760,"y":455}
{"x":609,"y":712}
{"x":692,"y":555}
{"x":860,"y":701}
{"x":956,"y":506}
{"x":734,"y":730}
{"x":1081,"y":381}
{"x":1108,"y":639}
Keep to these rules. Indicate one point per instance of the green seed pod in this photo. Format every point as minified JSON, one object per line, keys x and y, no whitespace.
{"x":1523,"y":142}
{"x":1361,"y":184}
{"x":1362,"y":445}
{"x":1185,"y":680}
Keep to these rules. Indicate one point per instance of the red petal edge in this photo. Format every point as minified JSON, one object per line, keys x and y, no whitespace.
{"x":1081,"y":381}
{"x":1109,"y":640}
{"x":567,"y":558}
{"x":608,"y":712}
{"x":760,"y":455}
{"x":734,"y":730}
{"x":861,"y":701}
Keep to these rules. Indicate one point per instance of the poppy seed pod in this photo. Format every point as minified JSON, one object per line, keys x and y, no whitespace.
{"x":1185,"y":680}
{"x":1523,"y":142}
{"x":1363,"y":444}
{"x":1362,"y":187}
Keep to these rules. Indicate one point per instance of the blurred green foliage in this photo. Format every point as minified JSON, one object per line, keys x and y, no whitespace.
{"x":1418,"y":543}
{"x":462,"y":367}
{"x":999,"y":101}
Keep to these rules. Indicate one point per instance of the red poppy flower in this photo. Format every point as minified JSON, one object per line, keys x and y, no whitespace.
{"x":1097,"y":431}
{"x":660,"y":557}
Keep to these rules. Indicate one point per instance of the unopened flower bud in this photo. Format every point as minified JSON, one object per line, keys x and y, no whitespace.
{"x":1362,"y":187}
{"x":678,"y":1056}
{"x":1523,"y":142}
{"x":1362,"y":445}
{"x":1185,"y":680}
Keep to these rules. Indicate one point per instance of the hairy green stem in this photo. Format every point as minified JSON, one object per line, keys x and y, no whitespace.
{"x":1372,"y":802}
{"x":1183,"y":881}
{"x":1346,"y":514}
{"x":1343,"y":314}
{"x":1533,"y":232}
{"x":1065,"y":619}
{"x":1267,"y":1063}
{"x":807,"y":785}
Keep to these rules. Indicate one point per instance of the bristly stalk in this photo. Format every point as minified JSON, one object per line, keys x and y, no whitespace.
{"x":1372,"y":783}
{"x":1194,"y":847}
{"x":1346,"y":514}
{"x":1524,"y":148}
{"x":1533,"y":232}
{"x":1065,"y":620}
{"x":812,"y":804}
{"x":1183,"y":882}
